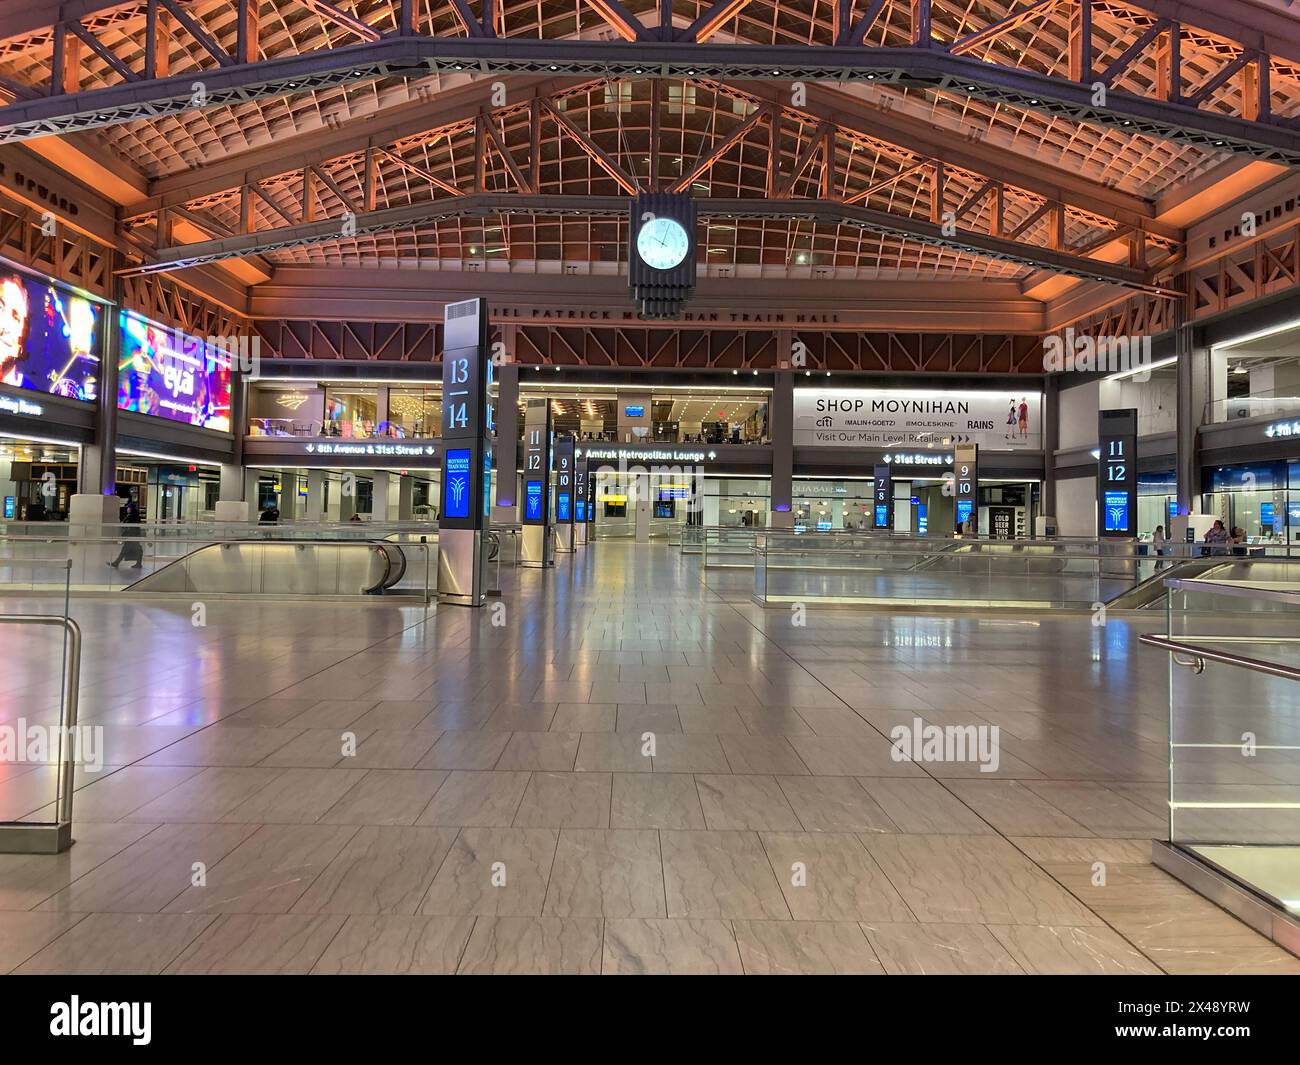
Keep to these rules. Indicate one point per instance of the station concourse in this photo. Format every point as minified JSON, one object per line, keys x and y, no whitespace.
{"x":659,"y":487}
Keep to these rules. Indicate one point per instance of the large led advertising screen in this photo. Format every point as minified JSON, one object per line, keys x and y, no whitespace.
{"x":168,"y":374}
{"x":49,"y":338}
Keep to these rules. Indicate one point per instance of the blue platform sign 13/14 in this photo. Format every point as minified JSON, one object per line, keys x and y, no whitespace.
{"x":456,"y":469}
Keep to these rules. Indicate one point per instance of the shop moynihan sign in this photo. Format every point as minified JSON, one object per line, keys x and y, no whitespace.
{"x":918,"y":418}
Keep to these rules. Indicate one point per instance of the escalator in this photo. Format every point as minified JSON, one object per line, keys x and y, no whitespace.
{"x":1242,"y":572}
{"x":281,"y":568}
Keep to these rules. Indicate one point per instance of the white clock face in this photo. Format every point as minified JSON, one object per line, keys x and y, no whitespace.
{"x":662,"y":243}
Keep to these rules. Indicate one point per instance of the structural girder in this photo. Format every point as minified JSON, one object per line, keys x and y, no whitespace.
{"x":1266,"y":137}
{"x":389,"y":219}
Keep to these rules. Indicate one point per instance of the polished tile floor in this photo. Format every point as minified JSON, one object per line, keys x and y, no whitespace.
{"x":619,"y":768}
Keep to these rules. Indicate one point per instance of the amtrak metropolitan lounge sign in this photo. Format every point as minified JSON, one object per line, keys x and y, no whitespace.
{"x":888,"y":418}
{"x":648,"y":453}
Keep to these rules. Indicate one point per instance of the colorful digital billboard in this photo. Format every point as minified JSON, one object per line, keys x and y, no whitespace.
{"x":169,"y":374}
{"x":49,"y":339}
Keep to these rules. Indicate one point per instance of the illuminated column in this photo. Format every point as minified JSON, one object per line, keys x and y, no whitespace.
{"x":781,"y":423}
{"x":379,"y":496}
{"x":315,"y":508}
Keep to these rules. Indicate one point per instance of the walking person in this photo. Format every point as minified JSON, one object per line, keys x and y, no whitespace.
{"x":131,"y":549}
{"x":1161,"y":545}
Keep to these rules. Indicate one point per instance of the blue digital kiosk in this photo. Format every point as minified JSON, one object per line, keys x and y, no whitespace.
{"x":536,"y":546}
{"x":466,"y":456}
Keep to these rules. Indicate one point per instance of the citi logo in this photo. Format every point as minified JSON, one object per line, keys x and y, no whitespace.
{"x":133,"y":1019}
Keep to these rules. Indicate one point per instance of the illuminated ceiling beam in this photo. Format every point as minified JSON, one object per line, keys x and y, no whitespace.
{"x":929,"y":68}
{"x":719,"y":149}
{"x":821,"y":212}
{"x":624,"y":23}
{"x":713,"y":19}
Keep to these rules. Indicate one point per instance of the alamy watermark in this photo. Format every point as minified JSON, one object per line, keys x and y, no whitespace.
{"x":49,"y":744}
{"x":239,"y":353}
{"x":1088,"y":354}
{"x":919,"y":742}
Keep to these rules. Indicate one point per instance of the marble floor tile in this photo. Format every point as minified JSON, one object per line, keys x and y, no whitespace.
{"x":267,"y":872}
{"x":612,"y":752}
{"x":606,"y":873}
{"x":205,"y":796}
{"x":565,"y":800}
{"x":221,"y":745}
{"x":1058,"y":951}
{"x":499,"y":872}
{"x":830,"y":877}
{"x":974,"y":880}
{"x":118,"y":944}
{"x":812,"y":948}
{"x":553,"y":752}
{"x":689,"y":754}
{"x":528,"y":946}
{"x":465,"y":750}
{"x":654,"y":800}
{"x":481,"y":799}
{"x":391,"y":944}
{"x":636,"y":719}
{"x":582,"y":717}
{"x":939,"y":949}
{"x":151,"y":872}
{"x":1014,"y":810}
{"x":670,"y":947}
{"x":835,"y":804}
{"x":258,"y":944}
{"x":923,"y":807}
{"x":384,"y":749}
{"x":851,"y":756}
{"x":125,"y":791}
{"x":23,"y":934}
{"x":720,"y":875}
{"x":383,"y":869}
{"x":761,"y":754}
{"x":755,"y":802}
{"x":386,"y":797}
{"x":295,"y":797}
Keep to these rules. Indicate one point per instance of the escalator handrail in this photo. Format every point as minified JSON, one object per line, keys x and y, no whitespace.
{"x":381,"y":547}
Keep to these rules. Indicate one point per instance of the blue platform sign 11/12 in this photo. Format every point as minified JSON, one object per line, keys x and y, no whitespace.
{"x":1116,"y":507}
{"x":1117,"y":472}
{"x":533,"y":500}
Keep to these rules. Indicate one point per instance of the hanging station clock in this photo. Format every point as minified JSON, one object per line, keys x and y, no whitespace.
{"x":661,"y":255}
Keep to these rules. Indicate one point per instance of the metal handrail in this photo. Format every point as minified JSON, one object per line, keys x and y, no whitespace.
{"x":1201,"y":655}
{"x":1242,"y":591}
{"x":69,"y":698}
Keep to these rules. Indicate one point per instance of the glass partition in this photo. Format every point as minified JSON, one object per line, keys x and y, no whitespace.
{"x":1234,"y":730}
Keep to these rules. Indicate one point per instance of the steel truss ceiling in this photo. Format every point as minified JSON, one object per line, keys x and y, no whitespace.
{"x":1161,"y":78}
{"x":579,"y":152}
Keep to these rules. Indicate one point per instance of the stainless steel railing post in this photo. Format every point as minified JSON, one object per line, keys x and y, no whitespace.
{"x":38,"y":837}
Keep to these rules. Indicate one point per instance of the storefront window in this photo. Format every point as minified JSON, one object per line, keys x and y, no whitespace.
{"x":413,"y":412}
{"x":1261,"y":498}
{"x":1157,"y":501}
{"x":736,"y":502}
{"x":828,"y":506}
